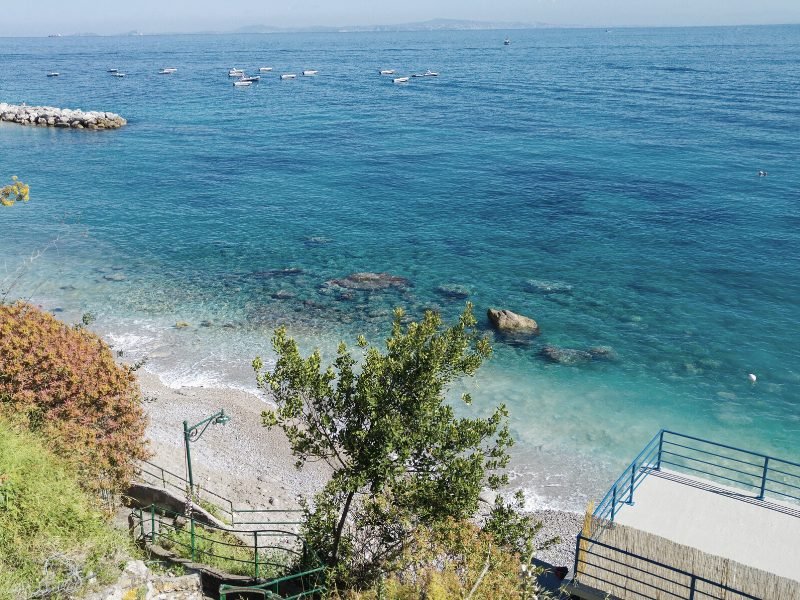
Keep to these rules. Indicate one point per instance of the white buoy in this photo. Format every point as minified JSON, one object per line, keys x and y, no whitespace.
{"x":752,"y":377}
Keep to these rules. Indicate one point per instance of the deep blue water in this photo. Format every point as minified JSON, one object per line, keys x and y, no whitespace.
{"x":602,"y":183}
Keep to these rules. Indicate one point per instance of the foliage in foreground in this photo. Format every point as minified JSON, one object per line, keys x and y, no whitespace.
{"x":44,"y":514}
{"x":401,"y":460}
{"x":63,"y":383}
{"x":455,"y":560}
{"x":14,"y":192}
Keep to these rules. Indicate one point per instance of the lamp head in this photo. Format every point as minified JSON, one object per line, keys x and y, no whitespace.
{"x":222,"y":419}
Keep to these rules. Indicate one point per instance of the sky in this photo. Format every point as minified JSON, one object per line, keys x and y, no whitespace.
{"x":110,"y":17}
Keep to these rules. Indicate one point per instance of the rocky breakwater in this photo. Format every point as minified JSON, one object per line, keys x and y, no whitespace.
{"x":48,"y":116}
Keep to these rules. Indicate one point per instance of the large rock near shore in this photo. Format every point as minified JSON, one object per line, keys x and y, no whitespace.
{"x":505,"y":320}
{"x":370,"y":281}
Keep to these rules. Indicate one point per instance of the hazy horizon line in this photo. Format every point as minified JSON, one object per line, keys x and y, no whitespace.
{"x":414,"y":26}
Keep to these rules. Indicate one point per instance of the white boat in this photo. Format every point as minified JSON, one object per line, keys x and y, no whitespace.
{"x":430,"y":73}
{"x":288,"y":76}
{"x":167,"y":71}
{"x":250,"y":79}
{"x":118,"y":74}
{"x":235,"y":73}
{"x":265,"y":69}
{"x":400,"y":80}
{"x":310,"y":73}
{"x":112,"y":70}
{"x":507,"y":42}
{"x":241,"y":83}
{"x":53,"y":74}
{"x":387,"y":72}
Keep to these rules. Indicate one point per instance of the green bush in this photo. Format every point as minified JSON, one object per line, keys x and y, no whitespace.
{"x":44,"y":514}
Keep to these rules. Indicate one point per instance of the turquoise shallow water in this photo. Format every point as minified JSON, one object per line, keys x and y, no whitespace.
{"x":603,"y":183}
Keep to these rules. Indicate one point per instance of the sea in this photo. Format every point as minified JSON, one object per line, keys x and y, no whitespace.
{"x":603,"y":182}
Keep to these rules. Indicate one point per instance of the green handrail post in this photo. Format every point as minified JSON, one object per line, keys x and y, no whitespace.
{"x":192,"y":536}
{"x":255,"y":552}
{"x":764,"y":479}
{"x":660,"y":447}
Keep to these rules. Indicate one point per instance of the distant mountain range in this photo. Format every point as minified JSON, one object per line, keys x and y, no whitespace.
{"x":432,"y":25}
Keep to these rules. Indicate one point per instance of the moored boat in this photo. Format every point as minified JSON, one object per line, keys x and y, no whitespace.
{"x":53,"y":74}
{"x":387,"y":72}
{"x":400,"y":80}
{"x":430,"y":73}
{"x":167,"y":71}
{"x":265,"y":69}
{"x":241,"y":83}
{"x":236,"y":72}
{"x":251,"y":79}
{"x":118,"y":74}
{"x":288,"y":76}
{"x":310,"y":73}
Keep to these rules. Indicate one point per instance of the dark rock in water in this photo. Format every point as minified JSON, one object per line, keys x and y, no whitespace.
{"x":565,"y":356}
{"x":370,"y":281}
{"x":457,"y":292}
{"x":345,"y":297}
{"x":317,"y":240}
{"x":206,"y":323}
{"x":602,"y":353}
{"x":229,"y":326}
{"x":114,"y":277}
{"x":505,"y":320}
{"x":575,"y":356}
{"x":68,"y":288}
{"x":548,"y":287}
{"x":282,"y":295}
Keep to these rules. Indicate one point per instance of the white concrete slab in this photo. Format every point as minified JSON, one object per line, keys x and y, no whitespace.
{"x":719,"y":521}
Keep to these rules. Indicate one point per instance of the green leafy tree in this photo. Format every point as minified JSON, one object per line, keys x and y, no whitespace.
{"x":399,"y":456}
{"x":14,"y":192}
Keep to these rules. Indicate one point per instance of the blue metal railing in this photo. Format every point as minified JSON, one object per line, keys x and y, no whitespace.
{"x":756,"y":474}
{"x":748,"y":474}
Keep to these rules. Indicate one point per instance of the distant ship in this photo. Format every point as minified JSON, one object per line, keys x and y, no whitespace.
{"x":507,"y":42}
{"x":54,"y":35}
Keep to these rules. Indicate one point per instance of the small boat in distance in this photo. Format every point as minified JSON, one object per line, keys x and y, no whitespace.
{"x":118,"y":74}
{"x":112,"y":70}
{"x":400,"y":80}
{"x":265,"y":69}
{"x":288,"y":76}
{"x":53,"y":74}
{"x":310,"y":73}
{"x":507,"y":42}
{"x":167,"y":71}
{"x":241,"y":83}
{"x":250,"y":79}
{"x":235,"y":73}
{"x":387,"y":72}
{"x":430,"y":73}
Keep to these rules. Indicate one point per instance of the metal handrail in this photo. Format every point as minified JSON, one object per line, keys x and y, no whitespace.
{"x":227,"y":507}
{"x":662,"y":450}
{"x":691,"y":586}
{"x":153,"y":526}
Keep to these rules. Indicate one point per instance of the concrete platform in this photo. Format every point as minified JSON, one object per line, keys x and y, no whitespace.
{"x":718,"y":520}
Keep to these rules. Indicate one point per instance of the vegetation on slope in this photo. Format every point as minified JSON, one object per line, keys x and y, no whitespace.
{"x":62,"y":382}
{"x":46,"y":519}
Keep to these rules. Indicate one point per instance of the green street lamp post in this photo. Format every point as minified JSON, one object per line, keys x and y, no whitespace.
{"x":193,"y":433}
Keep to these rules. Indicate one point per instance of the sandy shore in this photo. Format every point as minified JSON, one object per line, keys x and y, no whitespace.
{"x":253,"y":465}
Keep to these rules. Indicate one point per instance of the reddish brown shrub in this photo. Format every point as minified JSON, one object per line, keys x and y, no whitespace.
{"x":63,"y":382}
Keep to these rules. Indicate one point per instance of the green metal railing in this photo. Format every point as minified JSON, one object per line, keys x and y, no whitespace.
{"x":267,"y":553}
{"x":153,"y":474}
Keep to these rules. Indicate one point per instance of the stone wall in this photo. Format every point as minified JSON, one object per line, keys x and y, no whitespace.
{"x":139,"y":583}
{"x":48,"y":116}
